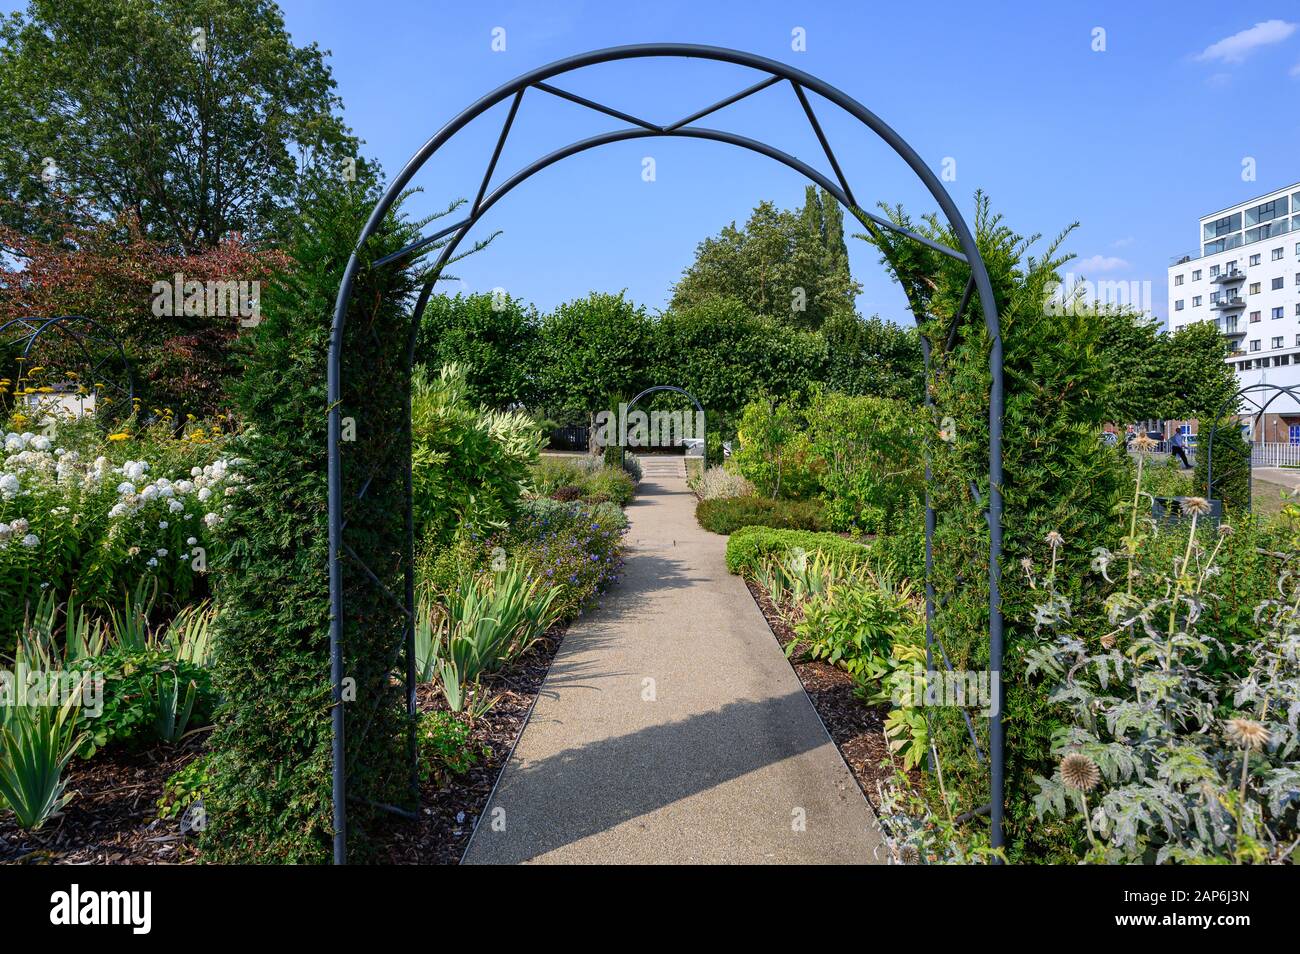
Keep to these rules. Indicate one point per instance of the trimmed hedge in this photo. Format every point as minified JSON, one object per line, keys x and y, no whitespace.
{"x":749,"y":546}
{"x":271,"y":795}
{"x":729,"y":514}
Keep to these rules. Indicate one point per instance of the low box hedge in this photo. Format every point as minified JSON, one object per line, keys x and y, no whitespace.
{"x":749,"y":546}
{"x":729,"y":514}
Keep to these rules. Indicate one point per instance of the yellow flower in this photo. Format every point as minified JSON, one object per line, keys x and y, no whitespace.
{"x":119,"y":436}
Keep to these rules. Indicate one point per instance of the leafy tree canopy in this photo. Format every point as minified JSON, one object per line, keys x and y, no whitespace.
{"x":494,"y":339}
{"x":592,"y":351}
{"x":197,"y":114}
{"x":788,"y":265}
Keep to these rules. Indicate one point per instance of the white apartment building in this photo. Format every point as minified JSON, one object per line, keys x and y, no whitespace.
{"x":1245,"y":277}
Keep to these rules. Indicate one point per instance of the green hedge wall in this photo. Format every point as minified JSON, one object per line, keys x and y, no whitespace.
{"x":271,"y":798}
{"x":1058,"y":476}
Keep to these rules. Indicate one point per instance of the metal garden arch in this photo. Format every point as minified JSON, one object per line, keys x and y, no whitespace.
{"x":86,"y":333}
{"x":1247,"y":393}
{"x":693,"y":399}
{"x":537,"y":80}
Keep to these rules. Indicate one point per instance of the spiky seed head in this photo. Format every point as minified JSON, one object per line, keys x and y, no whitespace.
{"x":1197,"y":506}
{"x":1143,"y":444}
{"x":1080,"y":772}
{"x":909,"y":854}
{"x":1108,"y":641}
{"x":1225,"y":530}
{"x":1246,"y":733}
{"x":1054,"y":539}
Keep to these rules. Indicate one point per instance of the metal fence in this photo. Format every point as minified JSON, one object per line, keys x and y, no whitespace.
{"x":1275,"y":455}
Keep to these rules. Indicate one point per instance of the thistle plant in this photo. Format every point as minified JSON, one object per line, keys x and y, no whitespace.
{"x":1177,"y":747}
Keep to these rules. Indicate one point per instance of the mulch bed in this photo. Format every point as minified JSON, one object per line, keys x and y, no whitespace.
{"x":858,"y":729}
{"x":113,"y":815}
{"x":448,"y":814}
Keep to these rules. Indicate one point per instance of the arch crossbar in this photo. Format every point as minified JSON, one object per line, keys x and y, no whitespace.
{"x":447,"y":240}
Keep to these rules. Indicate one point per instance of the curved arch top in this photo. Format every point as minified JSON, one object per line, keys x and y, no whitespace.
{"x":81,"y":328}
{"x":775,"y":71}
{"x":674,"y":389}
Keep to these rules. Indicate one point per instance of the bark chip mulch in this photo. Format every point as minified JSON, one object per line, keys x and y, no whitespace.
{"x":113,"y":815}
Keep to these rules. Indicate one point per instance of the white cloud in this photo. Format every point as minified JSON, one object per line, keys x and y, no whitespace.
{"x":1295,"y":71}
{"x":1235,"y":48}
{"x":1124,"y":242}
{"x":1100,"y":263}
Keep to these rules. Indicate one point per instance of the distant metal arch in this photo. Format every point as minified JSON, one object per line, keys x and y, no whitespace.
{"x":1246,"y":393}
{"x":694,"y":400}
{"x":978,"y":284}
{"x":81,"y":329}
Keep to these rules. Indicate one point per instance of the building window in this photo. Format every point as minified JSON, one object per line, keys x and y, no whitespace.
{"x":1254,"y":260}
{"x":1254,"y":316}
{"x":1178,"y":279}
{"x":1293,"y":433}
{"x":1196,"y":275}
{"x":1214,"y":271}
{"x":1277,"y":255}
{"x":1277,"y":312}
{"x":1178,"y":305}
{"x":1196,"y":299}
{"x":1254,"y":344}
{"x":1254,"y":288}
{"x":1277,"y":343}
{"x":1278,"y":283}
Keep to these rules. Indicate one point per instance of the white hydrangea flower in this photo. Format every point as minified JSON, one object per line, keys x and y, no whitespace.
{"x":160,"y":552}
{"x":204,"y":494}
{"x":40,"y":442}
{"x":189,"y":542}
{"x":175,"y":506}
{"x":211,"y":519}
{"x":31,"y":540}
{"x":162,"y":524}
{"x":19,"y":526}
{"x":126,"y":487}
{"x":9,"y":485}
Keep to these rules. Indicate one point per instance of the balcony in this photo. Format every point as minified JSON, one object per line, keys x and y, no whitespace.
{"x":1229,"y":304}
{"x":1227,"y":278}
{"x":1232,"y":331}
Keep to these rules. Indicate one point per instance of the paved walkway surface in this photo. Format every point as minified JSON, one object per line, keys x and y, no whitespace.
{"x":671,"y":729}
{"x":1288,"y":477}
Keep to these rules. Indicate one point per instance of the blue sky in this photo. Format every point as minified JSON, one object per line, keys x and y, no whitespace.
{"x":1135,"y":142}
